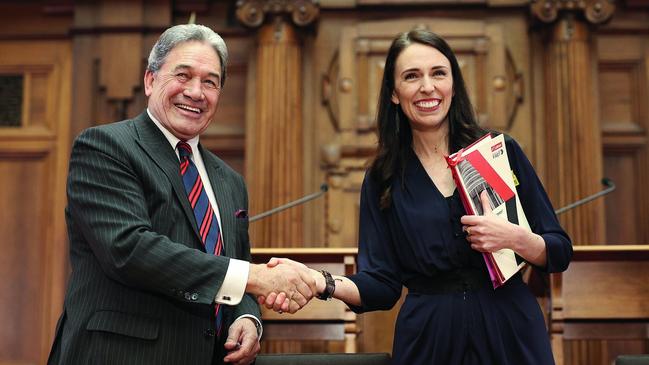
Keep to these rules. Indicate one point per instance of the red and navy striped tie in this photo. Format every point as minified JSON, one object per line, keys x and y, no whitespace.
{"x":208,"y":226}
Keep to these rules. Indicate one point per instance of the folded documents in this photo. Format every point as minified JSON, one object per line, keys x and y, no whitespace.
{"x":483,"y":166}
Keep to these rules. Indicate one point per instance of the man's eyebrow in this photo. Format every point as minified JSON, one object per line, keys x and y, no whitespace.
{"x":186,"y":67}
{"x":181,"y":66}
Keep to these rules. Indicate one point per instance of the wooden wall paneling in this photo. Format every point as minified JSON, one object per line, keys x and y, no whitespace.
{"x":84,"y":82}
{"x":622,"y":216}
{"x":537,"y":104}
{"x":624,"y":85}
{"x":313,"y":176}
{"x":33,"y":163}
{"x":112,"y":40}
{"x":643,"y":160}
{"x":515,"y":85}
{"x":119,"y":41}
{"x":24,"y":311}
{"x":495,"y":83}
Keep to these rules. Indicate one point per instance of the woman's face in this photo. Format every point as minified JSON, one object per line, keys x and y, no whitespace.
{"x":423,"y":86}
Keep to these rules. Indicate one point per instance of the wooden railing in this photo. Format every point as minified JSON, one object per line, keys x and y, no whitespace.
{"x":602,"y":296}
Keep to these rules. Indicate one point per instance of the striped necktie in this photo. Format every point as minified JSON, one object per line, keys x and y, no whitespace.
{"x":206,"y":222}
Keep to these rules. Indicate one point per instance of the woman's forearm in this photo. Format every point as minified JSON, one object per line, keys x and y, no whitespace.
{"x":345,"y":290}
{"x":531,"y":247}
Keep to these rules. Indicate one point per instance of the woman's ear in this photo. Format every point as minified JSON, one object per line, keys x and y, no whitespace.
{"x":395,"y":98}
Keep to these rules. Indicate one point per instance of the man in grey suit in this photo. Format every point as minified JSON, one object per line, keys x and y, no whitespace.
{"x":143,"y":289}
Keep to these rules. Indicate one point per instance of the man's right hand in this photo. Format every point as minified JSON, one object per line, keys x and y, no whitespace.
{"x":278,"y":301}
{"x":296,"y":283}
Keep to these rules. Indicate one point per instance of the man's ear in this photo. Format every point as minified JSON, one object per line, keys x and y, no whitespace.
{"x":148,"y":82}
{"x":394,"y":97}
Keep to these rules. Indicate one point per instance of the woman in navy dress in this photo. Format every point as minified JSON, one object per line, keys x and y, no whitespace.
{"x":414,"y":232}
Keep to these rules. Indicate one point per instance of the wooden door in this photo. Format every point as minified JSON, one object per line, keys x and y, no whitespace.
{"x":623,"y":71}
{"x":34,"y":146}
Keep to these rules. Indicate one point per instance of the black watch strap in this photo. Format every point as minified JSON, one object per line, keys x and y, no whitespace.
{"x":330,"y":286}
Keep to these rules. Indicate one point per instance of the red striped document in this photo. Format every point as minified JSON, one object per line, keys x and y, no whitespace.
{"x":483,"y":166}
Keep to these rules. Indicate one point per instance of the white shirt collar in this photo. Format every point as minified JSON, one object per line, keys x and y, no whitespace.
{"x":173,"y":140}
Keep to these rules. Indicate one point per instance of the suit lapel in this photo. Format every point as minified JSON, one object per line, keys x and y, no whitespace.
{"x":163,"y":155}
{"x":223,"y":194}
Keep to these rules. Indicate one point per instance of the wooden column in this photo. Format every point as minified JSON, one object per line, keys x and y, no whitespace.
{"x":572,"y":133}
{"x":574,"y":148}
{"x":274,"y":163}
{"x":573,"y":137}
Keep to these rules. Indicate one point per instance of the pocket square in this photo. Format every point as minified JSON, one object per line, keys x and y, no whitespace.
{"x":241,"y":213}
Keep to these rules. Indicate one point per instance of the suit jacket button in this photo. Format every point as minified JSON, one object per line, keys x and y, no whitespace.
{"x":187,"y":296}
{"x":209,"y":332}
{"x":194,"y":296}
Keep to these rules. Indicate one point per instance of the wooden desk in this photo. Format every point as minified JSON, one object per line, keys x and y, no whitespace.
{"x":603,"y":295}
{"x":319,"y":320}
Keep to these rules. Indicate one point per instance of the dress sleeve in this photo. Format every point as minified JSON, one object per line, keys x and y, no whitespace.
{"x":539,"y":210}
{"x":378,"y":278}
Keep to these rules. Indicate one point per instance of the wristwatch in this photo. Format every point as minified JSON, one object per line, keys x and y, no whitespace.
{"x":330,"y":286}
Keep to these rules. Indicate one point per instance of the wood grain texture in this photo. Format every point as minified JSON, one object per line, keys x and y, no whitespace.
{"x":33,"y":162}
{"x":275,"y":163}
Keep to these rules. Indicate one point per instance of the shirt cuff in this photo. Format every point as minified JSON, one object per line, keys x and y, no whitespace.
{"x":260,"y":328}
{"x":234,"y":284}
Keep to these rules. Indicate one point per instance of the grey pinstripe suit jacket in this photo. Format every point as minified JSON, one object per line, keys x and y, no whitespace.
{"x":142,"y":287}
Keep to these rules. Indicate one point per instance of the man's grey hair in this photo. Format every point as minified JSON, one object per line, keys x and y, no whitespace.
{"x":184,"y":33}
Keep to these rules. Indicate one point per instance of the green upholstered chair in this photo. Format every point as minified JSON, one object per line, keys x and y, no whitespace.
{"x":632,"y":360}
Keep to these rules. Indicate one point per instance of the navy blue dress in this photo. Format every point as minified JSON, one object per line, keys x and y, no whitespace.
{"x":420,"y":236}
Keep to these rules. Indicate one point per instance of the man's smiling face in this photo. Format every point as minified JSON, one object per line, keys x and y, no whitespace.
{"x":184,"y":92}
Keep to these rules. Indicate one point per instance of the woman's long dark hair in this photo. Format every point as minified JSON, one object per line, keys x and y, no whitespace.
{"x":394,"y":132}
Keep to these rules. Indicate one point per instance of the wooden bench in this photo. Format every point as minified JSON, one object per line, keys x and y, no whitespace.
{"x":602,"y":296}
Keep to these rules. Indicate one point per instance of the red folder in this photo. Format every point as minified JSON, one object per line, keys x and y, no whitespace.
{"x":484,"y":166}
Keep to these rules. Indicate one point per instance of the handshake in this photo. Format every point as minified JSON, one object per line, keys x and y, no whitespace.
{"x":284,"y":285}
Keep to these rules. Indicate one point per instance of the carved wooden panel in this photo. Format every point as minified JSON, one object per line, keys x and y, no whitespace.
{"x":351,"y":90}
{"x":623,"y":91}
{"x":33,"y":159}
{"x":594,"y":300}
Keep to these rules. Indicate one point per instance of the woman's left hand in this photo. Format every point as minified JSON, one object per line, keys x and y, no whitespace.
{"x":489,"y":233}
